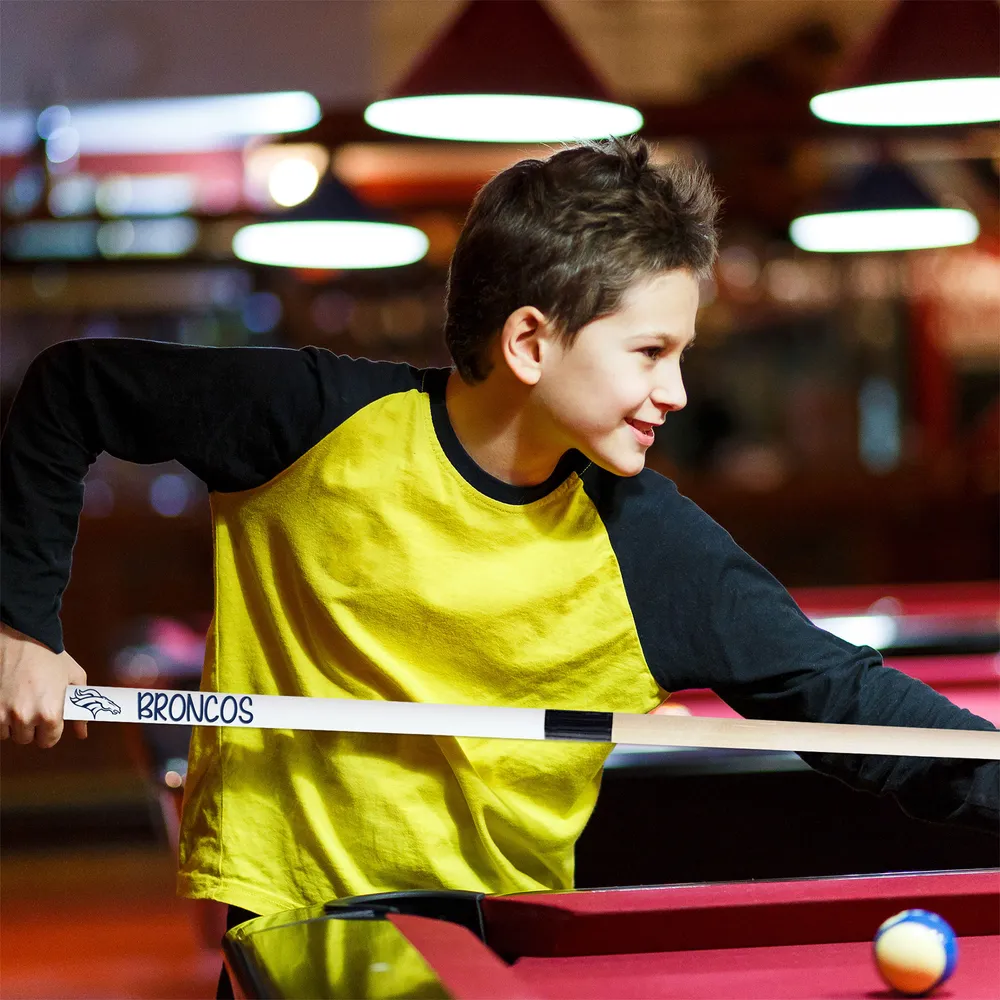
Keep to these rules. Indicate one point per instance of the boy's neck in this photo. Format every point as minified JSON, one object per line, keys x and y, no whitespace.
{"x":496,"y":426}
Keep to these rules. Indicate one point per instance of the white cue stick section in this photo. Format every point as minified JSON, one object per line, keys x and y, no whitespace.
{"x":157,"y":706}
{"x":116,"y":704}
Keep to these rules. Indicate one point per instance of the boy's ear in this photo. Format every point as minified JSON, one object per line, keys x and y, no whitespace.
{"x":524,"y":341}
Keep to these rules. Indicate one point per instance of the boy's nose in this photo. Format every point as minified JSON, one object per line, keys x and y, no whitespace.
{"x":670,"y":394}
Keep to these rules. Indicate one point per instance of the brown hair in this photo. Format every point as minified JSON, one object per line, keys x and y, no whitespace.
{"x":569,"y":235}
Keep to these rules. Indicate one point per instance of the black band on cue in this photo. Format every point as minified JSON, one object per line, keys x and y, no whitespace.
{"x":589,"y":727}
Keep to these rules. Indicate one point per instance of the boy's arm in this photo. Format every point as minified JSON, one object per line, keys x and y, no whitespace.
{"x":235,"y":417}
{"x":708,"y":615}
{"x":768,"y":661}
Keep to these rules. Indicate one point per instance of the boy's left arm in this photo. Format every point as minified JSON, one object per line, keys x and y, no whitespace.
{"x":775,"y":664}
{"x":711,"y":616}
{"x":708,"y":615}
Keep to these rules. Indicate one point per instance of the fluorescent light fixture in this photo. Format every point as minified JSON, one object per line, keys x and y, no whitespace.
{"x":17,"y":132}
{"x":147,"y":237}
{"x":927,"y":62}
{"x":72,"y":195}
{"x":876,"y":631}
{"x":45,"y":240}
{"x":333,"y":245}
{"x":915,"y":102}
{"x":884,"y":230}
{"x":146,"y":194}
{"x":163,"y":125}
{"x":466,"y":86}
{"x":502,"y":117}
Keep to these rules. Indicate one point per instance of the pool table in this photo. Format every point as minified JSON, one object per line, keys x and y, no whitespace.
{"x":799,"y":938}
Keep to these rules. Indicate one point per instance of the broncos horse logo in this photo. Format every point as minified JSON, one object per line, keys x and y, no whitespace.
{"x":95,"y":702}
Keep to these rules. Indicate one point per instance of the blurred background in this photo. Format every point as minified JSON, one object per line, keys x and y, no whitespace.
{"x":843,"y":415}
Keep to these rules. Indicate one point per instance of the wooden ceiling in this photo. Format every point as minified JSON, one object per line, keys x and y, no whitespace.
{"x":652,"y":51}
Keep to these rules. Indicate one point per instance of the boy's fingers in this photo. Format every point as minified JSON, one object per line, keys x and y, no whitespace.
{"x":22,"y":732}
{"x":4,"y":731}
{"x":48,"y":732}
{"x":80,"y":727}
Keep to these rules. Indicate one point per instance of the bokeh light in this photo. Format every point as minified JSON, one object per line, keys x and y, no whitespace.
{"x":169,"y":495}
{"x":884,"y":230}
{"x":502,"y":117}
{"x":913,"y":102}
{"x":333,"y":245}
{"x":291,"y":181}
{"x":261,"y":312}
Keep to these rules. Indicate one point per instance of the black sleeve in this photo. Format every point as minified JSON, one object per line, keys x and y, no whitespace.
{"x":235,"y":417}
{"x":708,"y":615}
{"x":768,"y":661}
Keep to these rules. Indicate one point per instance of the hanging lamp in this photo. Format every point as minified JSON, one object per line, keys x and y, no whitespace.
{"x":930,"y":62}
{"x":503,"y":71}
{"x":883,"y":208}
{"x":332,"y":229}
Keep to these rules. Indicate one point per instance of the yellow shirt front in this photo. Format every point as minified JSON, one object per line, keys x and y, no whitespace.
{"x":371,"y":568}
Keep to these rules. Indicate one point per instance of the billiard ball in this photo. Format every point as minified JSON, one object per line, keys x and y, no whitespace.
{"x":915,"y":951}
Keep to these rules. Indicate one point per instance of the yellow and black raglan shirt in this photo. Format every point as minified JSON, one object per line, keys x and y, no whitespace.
{"x":360,"y":553}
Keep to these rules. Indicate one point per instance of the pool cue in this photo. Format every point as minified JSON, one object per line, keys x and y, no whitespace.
{"x":159,"y":706}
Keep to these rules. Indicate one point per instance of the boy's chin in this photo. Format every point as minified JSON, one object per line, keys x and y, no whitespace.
{"x":619,"y":464}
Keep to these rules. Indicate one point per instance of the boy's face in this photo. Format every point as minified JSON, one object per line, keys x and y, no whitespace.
{"x":621,"y":376}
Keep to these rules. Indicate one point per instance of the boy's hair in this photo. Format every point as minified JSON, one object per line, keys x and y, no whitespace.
{"x":569,"y":235}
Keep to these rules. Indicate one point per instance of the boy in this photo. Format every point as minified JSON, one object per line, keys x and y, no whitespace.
{"x":485,"y":535}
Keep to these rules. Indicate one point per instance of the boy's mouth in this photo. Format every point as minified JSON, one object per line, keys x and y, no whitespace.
{"x":643,"y":430}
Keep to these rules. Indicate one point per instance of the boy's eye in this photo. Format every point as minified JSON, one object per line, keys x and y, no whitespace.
{"x":652,"y":352}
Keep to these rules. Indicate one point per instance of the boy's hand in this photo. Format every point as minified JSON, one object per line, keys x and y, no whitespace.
{"x":33,"y":682}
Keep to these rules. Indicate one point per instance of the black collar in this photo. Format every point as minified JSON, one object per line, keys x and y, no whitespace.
{"x":434,"y":383}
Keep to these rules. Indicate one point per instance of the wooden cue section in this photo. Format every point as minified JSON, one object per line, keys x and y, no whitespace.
{"x":802,"y":737}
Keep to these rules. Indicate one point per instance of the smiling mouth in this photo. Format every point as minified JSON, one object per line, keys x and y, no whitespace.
{"x":643,"y":431}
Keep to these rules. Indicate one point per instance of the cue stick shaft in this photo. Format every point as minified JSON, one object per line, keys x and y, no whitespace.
{"x":159,"y":706}
{"x":811,"y":737}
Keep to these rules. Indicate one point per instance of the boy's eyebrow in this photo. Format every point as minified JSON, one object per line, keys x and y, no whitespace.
{"x":662,"y":335}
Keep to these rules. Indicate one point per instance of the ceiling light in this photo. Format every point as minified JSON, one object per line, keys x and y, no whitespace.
{"x":916,"y":102}
{"x":503,"y":117}
{"x":883,"y":209}
{"x":72,"y":195}
{"x":17,"y":131}
{"x":333,"y":245}
{"x":145,"y":194}
{"x":470,"y":86}
{"x":165,"y":125}
{"x":283,"y":174}
{"x":291,"y":181}
{"x":147,"y":237}
{"x":331,"y":230}
{"x":891,"y":229}
{"x":50,"y":240}
{"x":877,"y":631}
{"x":932,"y":62}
